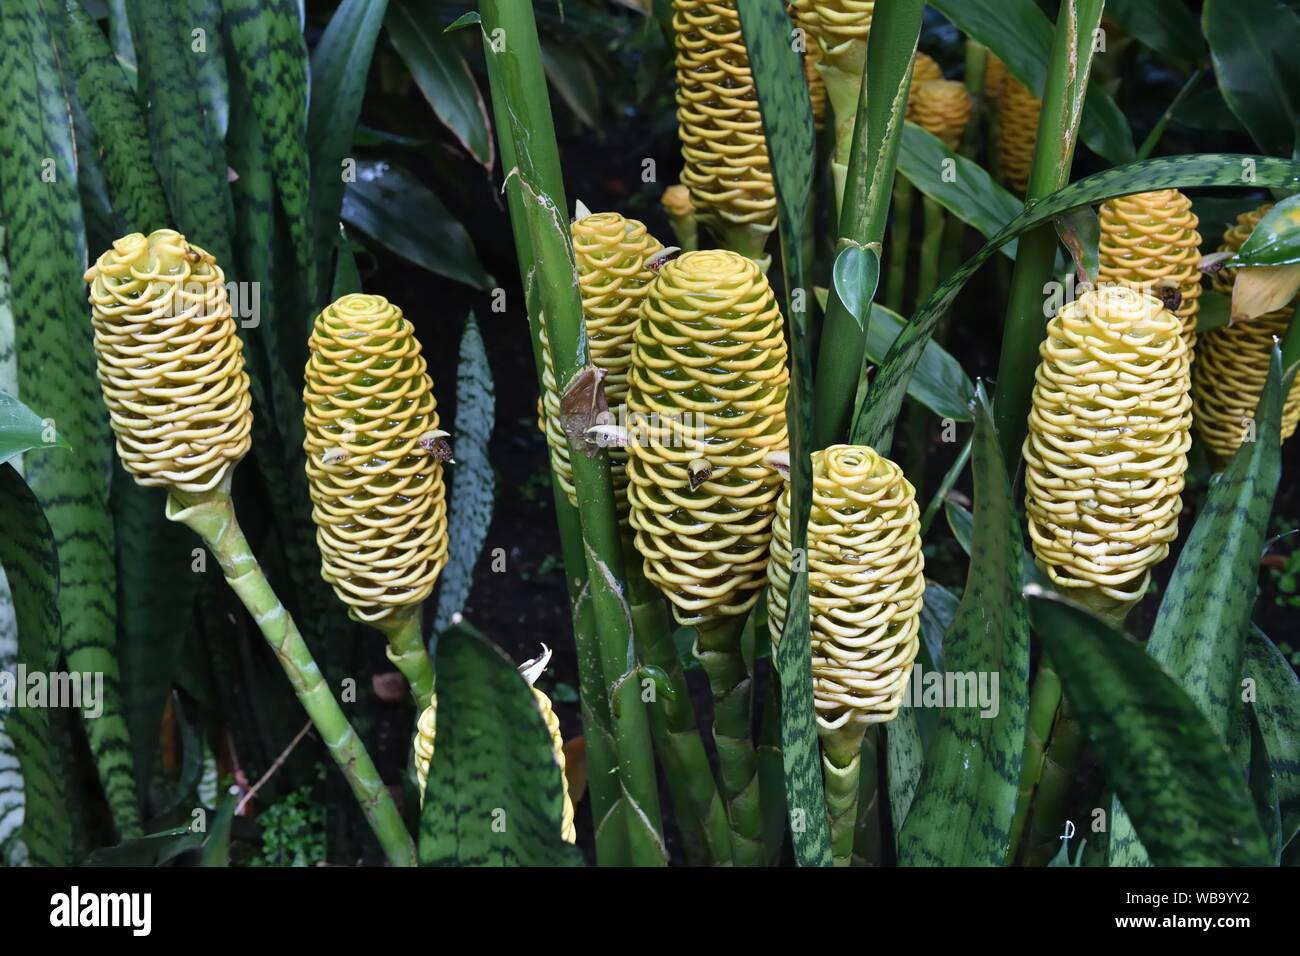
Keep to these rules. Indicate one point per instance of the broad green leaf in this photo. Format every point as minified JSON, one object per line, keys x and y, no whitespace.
{"x":203,"y":28}
{"x":1206,"y":110}
{"x":441,"y":73}
{"x":216,"y":848}
{"x":1199,"y":636}
{"x":108,"y":96}
{"x":969,"y":193}
{"x":396,"y":210}
{"x":119,"y":33}
{"x":1020,"y":34}
{"x":904,"y":761}
{"x":573,"y":80}
{"x":854,"y":278}
{"x":155,"y":849}
{"x":492,"y":764}
{"x":1275,"y":241}
{"x":31,"y":564}
{"x":962,"y":525}
{"x":1263,"y":789}
{"x":1213,"y":311}
{"x":347,"y":279}
{"x":1253,"y":45}
{"x":874,"y":421}
{"x":56,"y":370}
{"x":473,"y":482}
{"x":339,"y":66}
{"x":787,"y":123}
{"x":1276,"y":708}
{"x":1188,"y":801}
{"x":187,"y":152}
{"x":961,"y":814}
{"x":1168,"y":27}
{"x":21,"y":429}
{"x":940,"y":383}
{"x":271,"y":55}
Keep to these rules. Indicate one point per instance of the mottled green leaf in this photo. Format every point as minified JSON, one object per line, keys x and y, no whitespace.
{"x":494,"y":793}
{"x":395,"y":209}
{"x":787,"y":123}
{"x":940,"y":383}
{"x":441,"y":73}
{"x":339,"y":66}
{"x":1253,"y":44}
{"x":961,"y":814}
{"x":1276,"y":708}
{"x":56,"y":367}
{"x":473,"y":483}
{"x":1020,"y":34}
{"x":202,"y":23}
{"x":874,"y":421}
{"x":22,"y":429}
{"x":1189,"y":803}
{"x":30,"y":563}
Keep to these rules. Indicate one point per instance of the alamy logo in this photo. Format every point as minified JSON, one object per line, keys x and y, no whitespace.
{"x":77,"y":909}
{"x":83,"y":691}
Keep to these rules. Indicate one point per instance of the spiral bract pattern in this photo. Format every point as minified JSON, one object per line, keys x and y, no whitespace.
{"x":1018,"y":111}
{"x":612,"y":256}
{"x":941,"y":107}
{"x":1232,"y":363}
{"x":834,"y":22}
{"x":170,"y":362}
{"x":865,"y":584}
{"x":726,"y":165}
{"x":1149,"y":241}
{"x":706,"y":405}
{"x":1107,"y":444}
{"x":374,"y":458}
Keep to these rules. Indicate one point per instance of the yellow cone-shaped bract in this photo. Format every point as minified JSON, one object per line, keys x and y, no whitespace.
{"x":1232,"y":363}
{"x":1107,"y":444}
{"x":1018,"y":111}
{"x":995,"y":79}
{"x":832,"y":23}
{"x":941,"y":107}
{"x":706,"y":405}
{"x":1149,"y":241}
{"x":426,"y":733}
{"x":726,"y":166}
{"x":865,"y":584}
{"x":374,"y":458}
{"x":816,"y":85}
{"x":170,"y":362}
{"x":924,"y":70}
{"x":612,"y":256}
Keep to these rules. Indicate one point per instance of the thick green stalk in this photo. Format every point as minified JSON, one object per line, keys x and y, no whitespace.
{"x":407,"y":652}
{"x":212,"y":516}
{"x":700,"y":814}
{"x":918,"y":416}
{"x":1056,"y":781}
{"x":1044,"y":700}
{"x":868,"y":183}
{"x":841,"y":772}
{"x":867,"y":845}
{"x":900,"y":245}
{"x":520,"y":93}
{"x":1058,"y":128}
{"x":718,"y":647}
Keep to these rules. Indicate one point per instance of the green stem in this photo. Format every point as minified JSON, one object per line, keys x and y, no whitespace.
{"x":718,"y":648}
{"x":1051,"y":803}
{"x":746,"y":239}
{"x":1044,"y":700}
{"x":1067,"y":81}
{"x":945,"y":486}
{"x":212,"y":516}
{"x":841,"y":773}
{"x":900,"y":242}
{"x":931,"y":247}
{"x":1153,"y":138}
{"x":867,"y":845}
{"x":522,"y":105}
{"x":868,"y":179}
{"x":407,"y":652}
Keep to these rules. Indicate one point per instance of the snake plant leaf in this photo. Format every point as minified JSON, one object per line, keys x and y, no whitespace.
{"x":1020,"y":34}
{"x":1200,"y":632}
{"x":119,"y":35}
{"x":339,"y":66}
{"x":960,"y":185}
{"x":1165,"y":761}
{"x":440,"y":71}
{"x":854,"y":278}
{"x":962,"y":524}
{"x":961,"y":814}
{"x":1253,"y":44}
{"x":787,"y":123}
{"x":940,"y":383}
{"x":1263,"y":789}
{"x":473,"y":482}
{"x":1276,"y":709}
{"x":108,"y":97}
{"x":396,"y":210}
{"x":271,"y":56}
{"x":1168,"y":27}
{"x":21,"y":429}
{"x":203,"y":27}
{"x":1275,"y":240}
{"x":154,"y":849}
{"x":494,"y":794}
{"x":31,"y":564}
{"x":875,"y":417}
{"x":187,"y":151}
{"x":904,"y":761}
{"x":56,"y":370}
{"x":347,"y":278}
